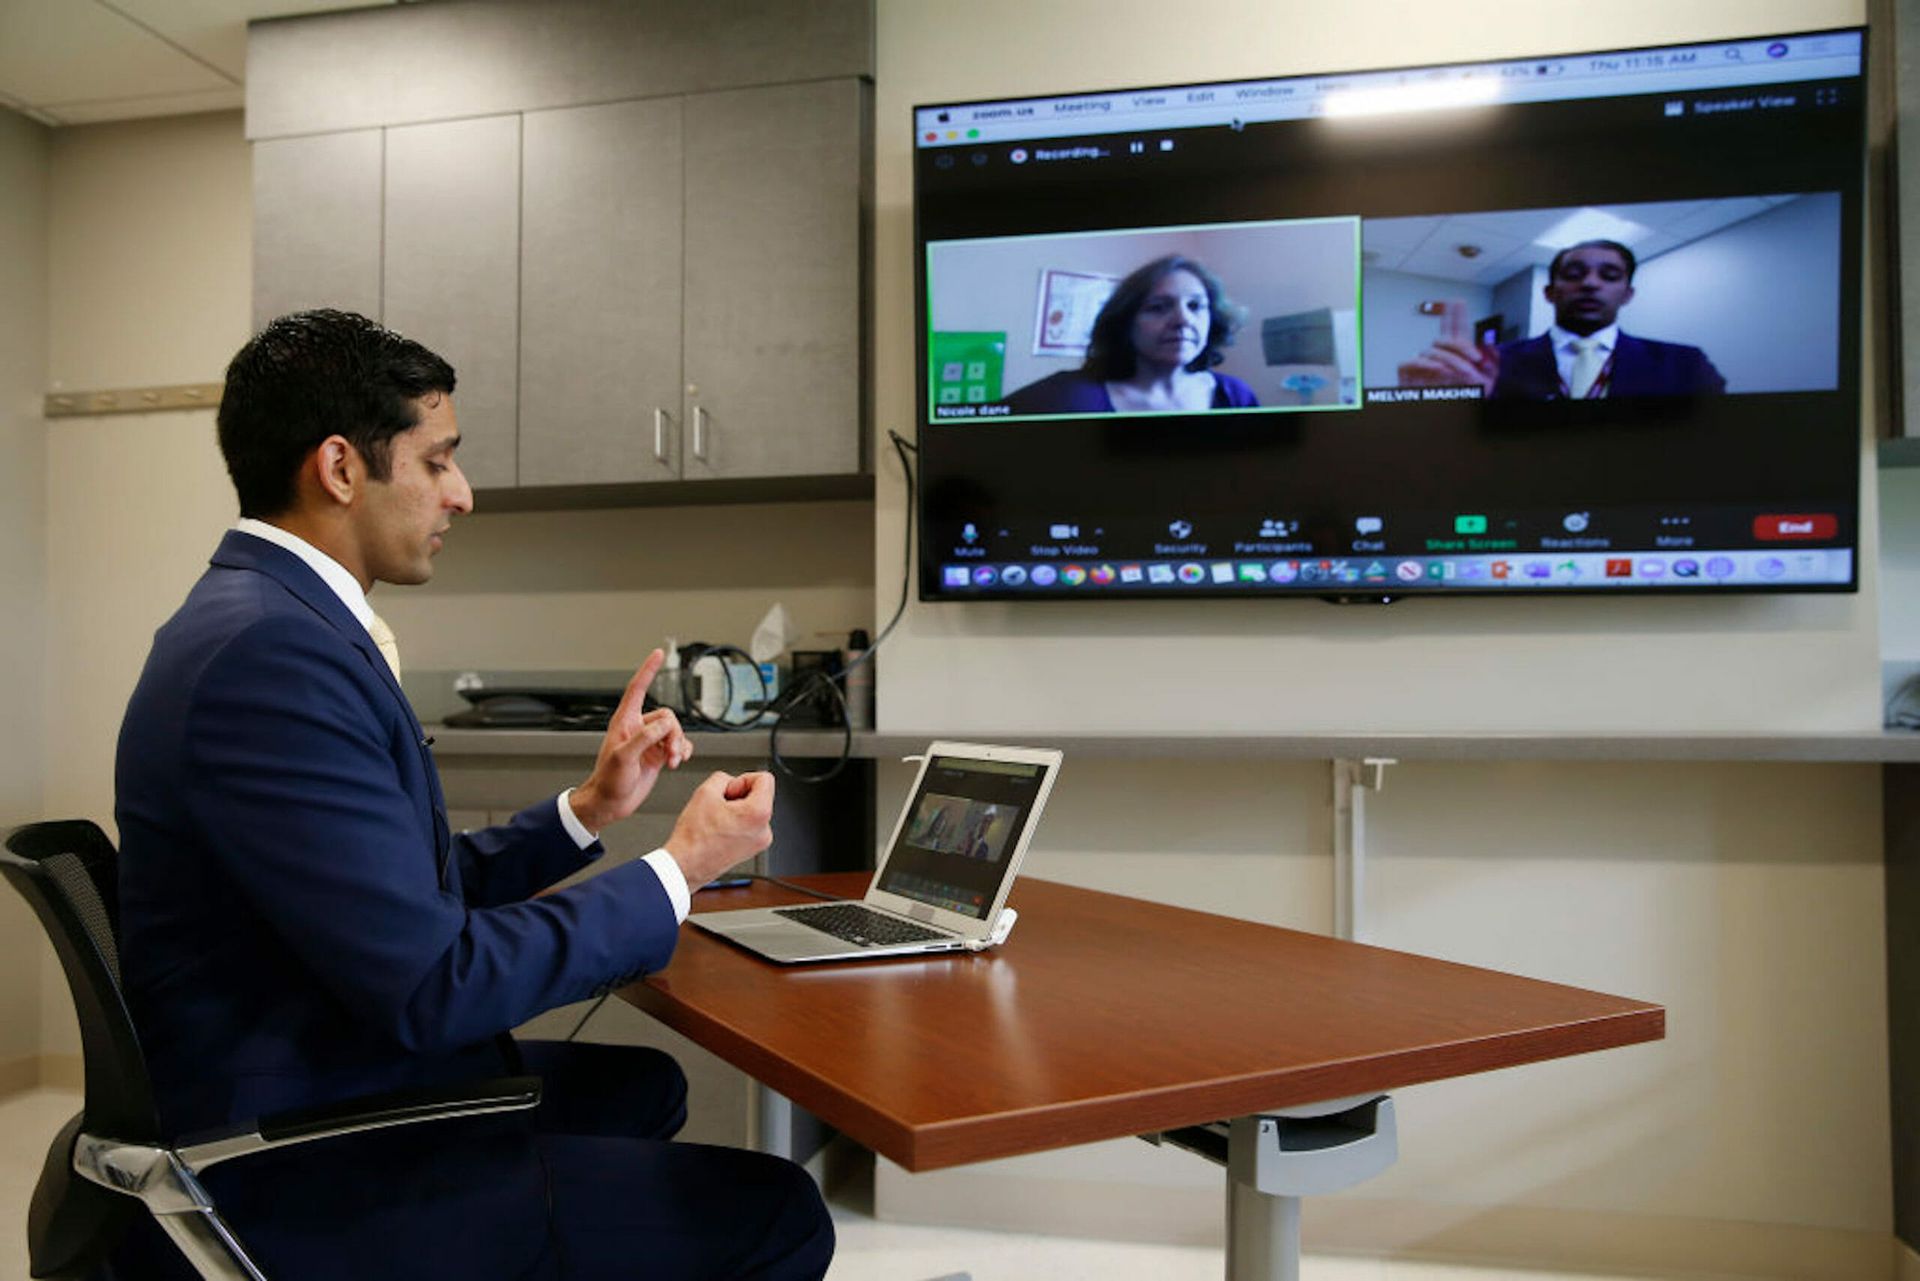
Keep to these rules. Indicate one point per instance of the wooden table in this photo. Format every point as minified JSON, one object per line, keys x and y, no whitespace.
{"x":1106,"y":1016}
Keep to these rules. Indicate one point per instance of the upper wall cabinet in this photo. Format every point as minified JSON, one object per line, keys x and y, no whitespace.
{"x":601,"y":296}
{"x":316,"y":223}
{"x":773,"y":281}
{"x":370,"y":68}
{"x":451,"y":277}
{"x":636,"y":227}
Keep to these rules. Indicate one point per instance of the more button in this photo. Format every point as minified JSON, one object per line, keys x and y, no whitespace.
{"x":1776,"y":529}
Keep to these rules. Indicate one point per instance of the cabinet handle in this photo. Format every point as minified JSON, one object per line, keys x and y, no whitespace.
{"x":660,"y":435}
{"x":700,"y":432}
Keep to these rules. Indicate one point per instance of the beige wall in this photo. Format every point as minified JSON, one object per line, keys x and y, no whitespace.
{"x":23,"y":469}
{"x":595,"y":590}
{"x":1747,"y":898}
{"x":149,"y":262}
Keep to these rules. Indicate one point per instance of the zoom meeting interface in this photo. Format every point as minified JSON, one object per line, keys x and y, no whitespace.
{"x":965,"y":823}
{"x":1579,"y":323}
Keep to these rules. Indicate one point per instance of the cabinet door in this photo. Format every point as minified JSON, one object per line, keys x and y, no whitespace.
{"x":775,"y":178}
{"x":316,"y":224}
{"x":600,"y":295}
{"x":452,"y":277}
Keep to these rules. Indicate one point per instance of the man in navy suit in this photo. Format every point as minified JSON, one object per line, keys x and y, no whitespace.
{"x":1584,"y":355}
{"x":301,"y":926}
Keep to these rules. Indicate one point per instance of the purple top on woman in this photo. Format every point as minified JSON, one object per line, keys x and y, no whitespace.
{"x":1075,"y":392}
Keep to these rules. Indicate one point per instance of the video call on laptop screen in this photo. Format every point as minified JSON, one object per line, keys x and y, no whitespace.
{"x":1584,"y":322}
{"x":964,"y":824}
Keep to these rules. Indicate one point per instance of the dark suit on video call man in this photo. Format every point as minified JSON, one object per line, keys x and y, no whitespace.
{"x":1584,"y":355}
{"x":302,"y":927}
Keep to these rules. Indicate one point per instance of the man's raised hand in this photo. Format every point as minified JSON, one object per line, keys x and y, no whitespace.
{"x":638,"y":745}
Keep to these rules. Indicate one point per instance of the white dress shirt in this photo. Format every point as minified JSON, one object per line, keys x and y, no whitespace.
{"x":1564,"y":355}
{"x":347,"y":588}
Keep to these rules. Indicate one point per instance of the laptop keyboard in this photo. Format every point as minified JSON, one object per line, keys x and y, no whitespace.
{"x":858,"y":924}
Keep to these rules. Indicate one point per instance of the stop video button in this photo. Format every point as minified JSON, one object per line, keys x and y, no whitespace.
{"x":1816,"y":527}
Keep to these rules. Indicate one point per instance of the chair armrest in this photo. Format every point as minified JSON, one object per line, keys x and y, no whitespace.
{"x":370,"y":1112}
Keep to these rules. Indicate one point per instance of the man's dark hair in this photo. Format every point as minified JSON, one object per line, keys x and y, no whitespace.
{"x":1110,"y":355}
{"x":312,"y":375}
{"x":1626,"y":256}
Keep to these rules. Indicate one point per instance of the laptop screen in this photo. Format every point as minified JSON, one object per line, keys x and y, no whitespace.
{"x":952,"y":852}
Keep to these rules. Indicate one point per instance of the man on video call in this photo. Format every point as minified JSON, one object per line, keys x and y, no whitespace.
{"x":301,"y":927}
{"x":1583,"y":356}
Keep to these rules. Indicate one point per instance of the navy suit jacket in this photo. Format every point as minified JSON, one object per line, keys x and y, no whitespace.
{"x":300,"y":925}
{"x":1641,"y":367}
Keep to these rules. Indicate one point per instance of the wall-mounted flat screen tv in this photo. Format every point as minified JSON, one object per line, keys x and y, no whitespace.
{"x":1585,"y":323}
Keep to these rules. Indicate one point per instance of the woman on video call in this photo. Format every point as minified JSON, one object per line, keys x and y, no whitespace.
{"x":1153,"y":349}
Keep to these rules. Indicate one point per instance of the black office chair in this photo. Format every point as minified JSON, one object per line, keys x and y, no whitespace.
{"x":66,"y":871}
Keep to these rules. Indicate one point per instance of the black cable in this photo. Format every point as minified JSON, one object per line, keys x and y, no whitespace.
{"x":591,"y":1011}
{"x":772,"y":880}
{"x":801,"y":889}
{"x":692,"y":717}
{"x":831,"y":685}
{"x":817,"y":681}
{"x":836,"y":682}
{"x":1902,"y":710}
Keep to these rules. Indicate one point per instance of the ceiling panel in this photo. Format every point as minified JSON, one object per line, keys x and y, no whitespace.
{"x":54,"y":51}
{"x":85,"y":61}
{"x":1509,"y":239}
{"x":1394,"y":238}
{"x":216,"y":30}
{"x":1440,"y":255}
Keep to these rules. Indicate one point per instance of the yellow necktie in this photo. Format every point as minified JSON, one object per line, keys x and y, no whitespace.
{"x":384,"y":641}
{"x":1586,"y":367}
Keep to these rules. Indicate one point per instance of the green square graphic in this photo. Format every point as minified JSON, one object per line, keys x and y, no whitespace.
{"x":966,"y":367}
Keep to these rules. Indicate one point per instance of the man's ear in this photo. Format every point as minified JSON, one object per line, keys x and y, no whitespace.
{"x":338,"y":470}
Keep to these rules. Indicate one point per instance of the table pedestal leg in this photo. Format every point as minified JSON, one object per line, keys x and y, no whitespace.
{"x":1263,"y":1235}
{"x":1277,"y":1157}
{"x":770,"y":1121}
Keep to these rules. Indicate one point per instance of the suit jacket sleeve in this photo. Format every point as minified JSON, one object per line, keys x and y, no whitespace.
{"x":518,"y":858}
{"x":304,"y":785}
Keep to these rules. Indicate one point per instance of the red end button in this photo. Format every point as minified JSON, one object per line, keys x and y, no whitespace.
{"x":1789,"y":529}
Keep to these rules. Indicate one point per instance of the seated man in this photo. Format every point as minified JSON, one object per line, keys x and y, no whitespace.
{"x":302,"y":927}
{"x":1583,"y":356}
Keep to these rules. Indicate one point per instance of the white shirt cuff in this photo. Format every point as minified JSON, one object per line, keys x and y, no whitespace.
{"x":672,"y":880}
{"x":571,"y":821}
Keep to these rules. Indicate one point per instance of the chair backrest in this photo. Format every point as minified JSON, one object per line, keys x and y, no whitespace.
{"x":67,"y":873}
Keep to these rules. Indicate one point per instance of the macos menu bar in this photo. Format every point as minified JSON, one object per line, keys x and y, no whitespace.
{"x":1730,"y":65}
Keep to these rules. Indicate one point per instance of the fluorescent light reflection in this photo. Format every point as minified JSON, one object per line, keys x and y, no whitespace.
{"x":1592,"y":224}
{"x":1439,"y":95}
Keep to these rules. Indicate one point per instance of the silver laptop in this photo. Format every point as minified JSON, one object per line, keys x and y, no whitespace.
{"x":942,"y":883}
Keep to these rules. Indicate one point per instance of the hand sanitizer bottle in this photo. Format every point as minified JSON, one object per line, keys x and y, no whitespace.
{"x":666,"y":689}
